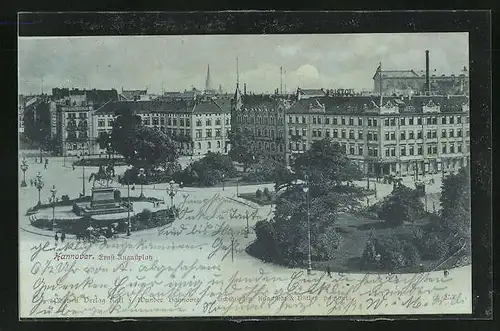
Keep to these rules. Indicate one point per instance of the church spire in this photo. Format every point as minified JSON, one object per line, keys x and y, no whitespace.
{"x":237,"y":94}
{"x":208,"y":81}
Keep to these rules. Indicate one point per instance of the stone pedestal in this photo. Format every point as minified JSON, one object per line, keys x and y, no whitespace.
{"x":103,"y":202}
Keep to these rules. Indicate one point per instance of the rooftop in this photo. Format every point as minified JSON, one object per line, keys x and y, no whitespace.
{"x":166,"y":106}
{"x":359,"y":104}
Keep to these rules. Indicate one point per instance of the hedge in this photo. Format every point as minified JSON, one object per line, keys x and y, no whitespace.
{"x":141,"y":221}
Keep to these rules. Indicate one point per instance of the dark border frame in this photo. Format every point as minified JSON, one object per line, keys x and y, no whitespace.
{"x":476,"y":23}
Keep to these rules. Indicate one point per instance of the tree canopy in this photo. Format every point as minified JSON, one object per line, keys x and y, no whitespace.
{"x":37,"y":126}
{"x":455,"y":202}
{"x":141,"y":146}
{"x":243,"y":147}
{"x":329,"y":174}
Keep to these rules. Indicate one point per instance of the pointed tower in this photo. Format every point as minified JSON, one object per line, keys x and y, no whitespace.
{"x":238,"y":102}
{"x":208,"y":81}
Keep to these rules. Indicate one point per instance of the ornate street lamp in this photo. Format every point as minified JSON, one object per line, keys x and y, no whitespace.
{"x":53,"y":200}
{"x":172,"y":191}
{"x":141,"y":175}
{"x":306,"y":190}
{"x":39,"y":185}
{"x":24,"y":168}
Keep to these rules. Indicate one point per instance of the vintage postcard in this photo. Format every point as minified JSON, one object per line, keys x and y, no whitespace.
{"x":244,"y":175}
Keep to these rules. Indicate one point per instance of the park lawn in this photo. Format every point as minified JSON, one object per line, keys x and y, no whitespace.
{"x":356,"y":231}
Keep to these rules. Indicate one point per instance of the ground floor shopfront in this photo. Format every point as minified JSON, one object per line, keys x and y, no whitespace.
{"x":379,"y":168}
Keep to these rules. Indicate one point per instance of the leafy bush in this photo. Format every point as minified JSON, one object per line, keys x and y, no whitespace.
{"x":258,"y":194}
{"x":76,"y":209}
{"x":65,"y":198}
{"x":265,"y":245}
{"x":151,"y":177}
{"x":207,"y":171}
{"x":117,"y":195}
{"x":267,"y":194}
{"x":99,"y":161}
{"x":432,"y":247}
{"x":145,"y":215}
{"x":327,"y":244}
{"x":402,"y":205}
{"x":389,"y":254}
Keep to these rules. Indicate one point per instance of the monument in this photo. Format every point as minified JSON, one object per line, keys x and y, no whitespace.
{"x":103,"y":198}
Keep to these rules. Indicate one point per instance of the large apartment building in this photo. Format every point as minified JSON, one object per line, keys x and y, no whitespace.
{"x":199,"y":126}
{"x":72,"y":117}
{"x":427,"y":133}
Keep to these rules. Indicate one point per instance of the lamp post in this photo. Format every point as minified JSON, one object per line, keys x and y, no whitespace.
{"x":53,"y":199}
{"x":82,"y":157}
{"x":129,"y":226}
{"x":223,"y":177}
{"x":142,"y":175}
{"x":375,"y":184}
{"x":24,"y":168}
{"x":172,"y":191}
{"x":247,"y":232}
{"x":237,"y":187}
{"x":306,"y":190}
{"x":39,"y":185}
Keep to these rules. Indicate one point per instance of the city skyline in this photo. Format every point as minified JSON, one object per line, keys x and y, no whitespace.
{"x":176,"y":63}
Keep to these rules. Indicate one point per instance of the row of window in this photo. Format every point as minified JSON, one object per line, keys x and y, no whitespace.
{"x":431,"y":120}
{"x":259,"y":120}
{"x":74,"y":115}
{"x":391,"y":151}
{"x":431,"y":134}
{"x":373,"y":136}
{"x":208,"y":133}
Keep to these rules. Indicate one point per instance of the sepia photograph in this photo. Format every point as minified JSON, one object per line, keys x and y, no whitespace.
{"x":244,"y":175}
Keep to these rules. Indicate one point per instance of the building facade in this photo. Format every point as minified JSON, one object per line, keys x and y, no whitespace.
{"x":72,"y":112}
{"x":426,"y":134}
{"x":264,"y":116}
{"x":198,"y":127}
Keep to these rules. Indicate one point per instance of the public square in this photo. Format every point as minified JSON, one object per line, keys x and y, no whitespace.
{"x":169,"y":247}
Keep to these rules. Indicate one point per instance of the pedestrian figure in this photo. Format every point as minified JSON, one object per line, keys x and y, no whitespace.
{"x":63,"y":236}
{"x":45,"y":166}
{"x":73,"y":166}
{"x":56,"y":238}
{"x":133,"y":187}
{"x":31,"y":182}
{"x":329,"y":271}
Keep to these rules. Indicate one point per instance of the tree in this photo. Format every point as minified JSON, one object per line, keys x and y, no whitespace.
{"x":402,"y":205}
{"x":37,"y":125}
{"x":455,"y":205}
{"x":208,"y":171}
{"x":243,"y":147}
{"x":141,"y":146}
{"x":329,"y":172}
{"x":105,"y":141}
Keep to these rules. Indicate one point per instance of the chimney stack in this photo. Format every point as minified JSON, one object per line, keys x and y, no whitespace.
{"x":427,"y":83}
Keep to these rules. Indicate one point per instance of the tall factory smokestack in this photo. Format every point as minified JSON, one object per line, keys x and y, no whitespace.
{"x":427,"y":83}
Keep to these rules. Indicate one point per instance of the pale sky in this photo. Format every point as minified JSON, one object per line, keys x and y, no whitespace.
{"x":180,"y":62}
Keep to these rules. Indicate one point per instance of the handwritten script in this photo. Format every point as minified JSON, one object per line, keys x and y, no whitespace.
{"x":198,"y":266}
